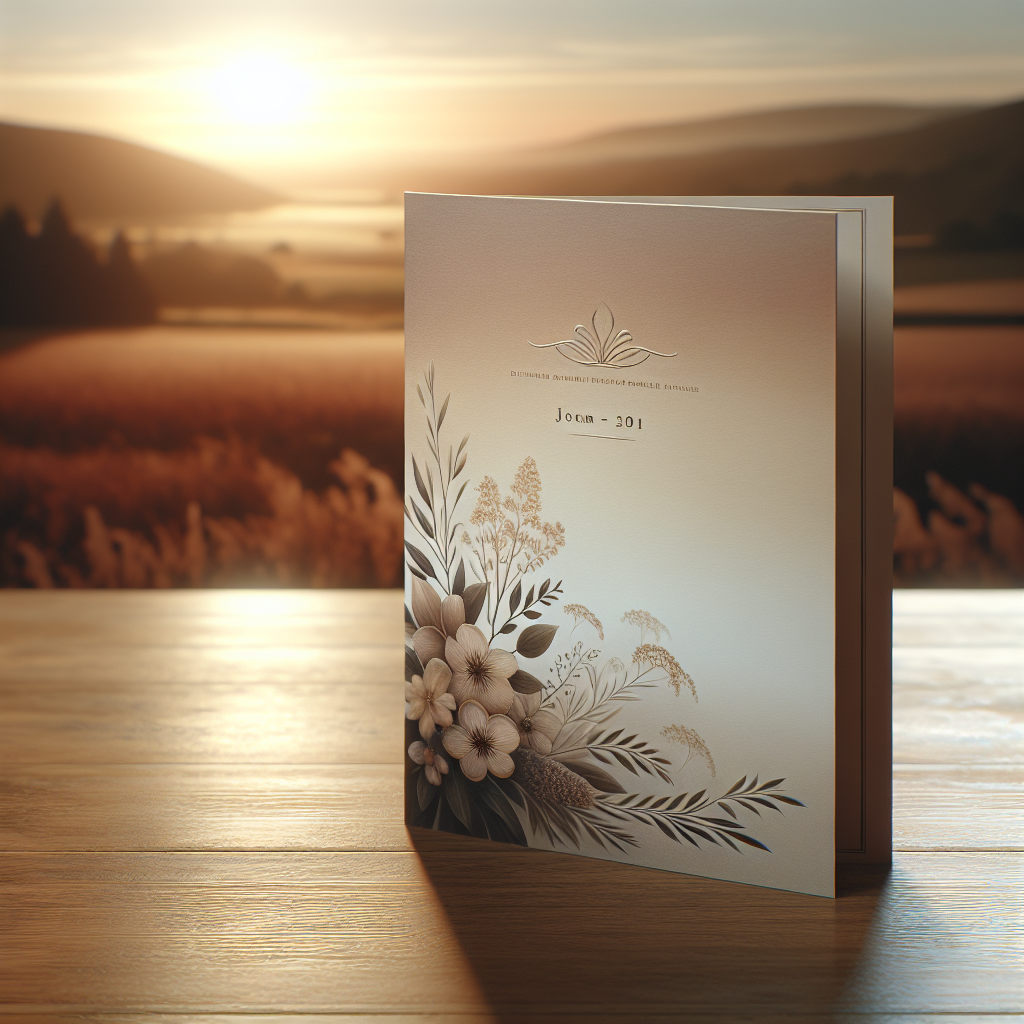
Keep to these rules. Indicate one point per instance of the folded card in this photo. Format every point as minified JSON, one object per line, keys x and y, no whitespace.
{"x":636,"y":530}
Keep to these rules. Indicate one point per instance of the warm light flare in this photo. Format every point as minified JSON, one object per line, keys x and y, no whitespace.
{"x":261,"y":89}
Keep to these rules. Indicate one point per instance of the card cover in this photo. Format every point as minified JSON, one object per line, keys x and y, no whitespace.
{"x":621,"y":531}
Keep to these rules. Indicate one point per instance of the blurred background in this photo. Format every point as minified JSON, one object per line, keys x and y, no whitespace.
{"x":201,"y":247}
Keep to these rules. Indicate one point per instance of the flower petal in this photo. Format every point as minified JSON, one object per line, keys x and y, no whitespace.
{"x":546,"y":722}
{"x":426,"y":605}
{"x":474,"y":765}
{"x":436,"y":678}
{"x":415,"y":688}
{"x":416,"y":751}
{"x":473,"y":718}
{"x":446,"y":700}
{"x":517,"y":712}
{"x":427,"y":725}
{"x":498,"y":763}
{"x":530,"y":702}
{"x":453,"y":614}
{"x":539,"y":742}
{"x":440,"y":714}
{"x":428,"y":643}
{"x":501,"y":733}
{"x":457,"y":741}
{"x":440,"y":764}
{"x":415,"y":708}
{"x":495,"y":695}
{"x":472,"y":641}
{"x":433,"y":775}
{"x":500,"y":664}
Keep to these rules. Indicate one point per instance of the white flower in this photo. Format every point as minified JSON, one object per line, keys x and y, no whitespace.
{"x":479,"y":673}
{"x":434,"y":764}
{"x":537,"y":728}
{"x":435,"y":619}
{"x":482,"y":742}
{"x":428,"y":699}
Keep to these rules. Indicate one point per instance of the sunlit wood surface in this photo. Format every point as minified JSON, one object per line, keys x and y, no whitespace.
{"x":200,"y":816}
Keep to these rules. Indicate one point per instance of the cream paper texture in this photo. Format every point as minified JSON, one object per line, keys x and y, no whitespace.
{"x":714,"y":513}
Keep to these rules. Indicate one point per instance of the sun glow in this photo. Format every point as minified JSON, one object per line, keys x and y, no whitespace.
{"x":261,"y":89}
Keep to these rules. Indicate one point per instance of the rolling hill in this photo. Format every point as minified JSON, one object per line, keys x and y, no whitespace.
{"x":957,"y":167}
{"x":772,"y":128}
{"x":101,"y":177}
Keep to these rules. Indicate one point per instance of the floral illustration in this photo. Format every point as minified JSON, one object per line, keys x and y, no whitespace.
{"x":497,"y":751}
{"x":601,"y":345}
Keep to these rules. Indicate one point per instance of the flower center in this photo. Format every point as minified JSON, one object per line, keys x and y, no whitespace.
{"x":526,"y":725}
{"x":481,"y":744}
{"x":477,"y":670}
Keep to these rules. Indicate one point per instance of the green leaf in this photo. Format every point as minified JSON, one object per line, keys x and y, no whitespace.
{"x":459,"y":585}
{"x":420,"y":393}
{"x":544,"y":588}
{"x":694,"y":799}
{"x":509,"y":627}
{"x":458,"y":798}
{"x":424,"y":790}
{"x":788,"y":800}
{"x":460,"y":465}
{"x":513,"y":601}
{"x":412,"y":665}
{"x":420,"y":559}
{"x":597,"y":777}
{"x":535,"y":640}
{"x":749,"y":840}
{"x":532,"y":614}
{"x":420,"y":485}
{"x":444,"y":410}
{"x":462,"y":444}
{"x":529,"y":598}
{"x":422,"y":520}
{"x":523,"y":682}
{"x":737,"y":786}
{"x":473,"y":598}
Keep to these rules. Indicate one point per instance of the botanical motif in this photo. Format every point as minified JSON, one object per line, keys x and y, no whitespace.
{"x":507,"y":754}
{"x":601,"y":345}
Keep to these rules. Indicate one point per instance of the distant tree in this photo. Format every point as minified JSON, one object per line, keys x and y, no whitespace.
{"x":55,"y":278}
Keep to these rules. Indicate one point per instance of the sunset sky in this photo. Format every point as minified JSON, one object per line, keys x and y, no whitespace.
{"x":296,"y":89}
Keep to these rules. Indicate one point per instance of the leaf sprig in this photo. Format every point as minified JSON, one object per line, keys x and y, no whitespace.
{"x":686,"y":817}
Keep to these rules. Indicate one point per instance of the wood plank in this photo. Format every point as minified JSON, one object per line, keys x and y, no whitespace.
{"x":359,"y":807}
{"x":202,"y":807}
{"x":958,"y":618}
{"x":217,"y":1017}
{"x":958,"y":705}
{"x":453,"y":932}
{"x":30,"y":621}
{"x":958,"y":807}
{"x":275,"y":705}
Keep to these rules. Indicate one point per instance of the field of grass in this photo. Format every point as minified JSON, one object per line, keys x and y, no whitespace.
{"x":171,"y":456}
{"x":263,"y":456}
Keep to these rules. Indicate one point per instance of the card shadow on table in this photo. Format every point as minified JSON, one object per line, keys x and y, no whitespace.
{"x":547,"y":932}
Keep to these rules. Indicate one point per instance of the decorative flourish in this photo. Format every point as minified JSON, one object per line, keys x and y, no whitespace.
{"x":601,"y":345}
{"x":502,"y":754}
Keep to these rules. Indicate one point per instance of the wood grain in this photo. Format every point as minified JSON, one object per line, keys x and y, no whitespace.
{"x":200,"y":821}
{"x":359,"y":807}
{"x":400,"y":932}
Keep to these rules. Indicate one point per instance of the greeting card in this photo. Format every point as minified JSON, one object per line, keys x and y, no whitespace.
{"x":635,"y":464}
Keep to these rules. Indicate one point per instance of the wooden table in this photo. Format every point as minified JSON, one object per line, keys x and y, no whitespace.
{"x":200,"y":815}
